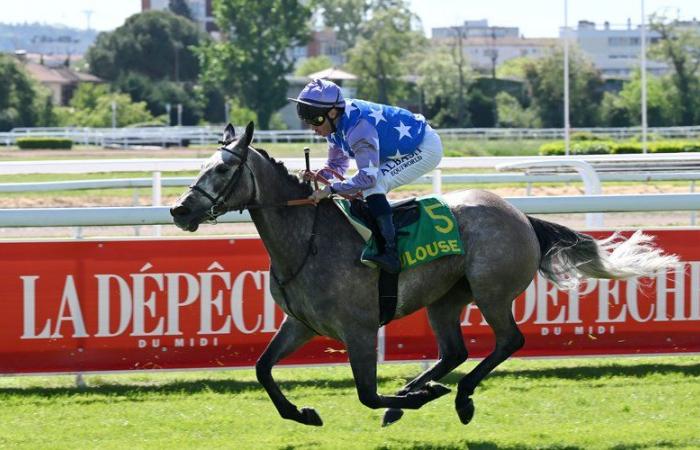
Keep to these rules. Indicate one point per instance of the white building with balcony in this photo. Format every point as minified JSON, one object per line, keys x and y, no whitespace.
{"x":614,"y":50}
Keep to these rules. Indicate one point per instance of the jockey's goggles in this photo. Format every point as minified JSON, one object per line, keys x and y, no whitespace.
{"x":312,"y":115}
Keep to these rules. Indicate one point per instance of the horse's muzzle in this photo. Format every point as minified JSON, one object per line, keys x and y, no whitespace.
{"x":183,"y":218}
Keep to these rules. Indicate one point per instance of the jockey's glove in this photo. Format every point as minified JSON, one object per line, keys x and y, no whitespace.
{"x":320,"y":194}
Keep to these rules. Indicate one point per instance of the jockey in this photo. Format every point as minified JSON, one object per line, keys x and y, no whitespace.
{"x":391,"y":147}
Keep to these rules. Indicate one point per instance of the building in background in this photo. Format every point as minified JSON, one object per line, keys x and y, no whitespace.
{"x":201,"y":10}
{"x":487,"y":47}
{"x":325,"y":43}
{"x":61,"y":80}
{"x":476,"y":29}
{"x":614,"y":50}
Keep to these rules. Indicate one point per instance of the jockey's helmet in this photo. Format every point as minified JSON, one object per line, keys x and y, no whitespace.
{"x":316,"y":99}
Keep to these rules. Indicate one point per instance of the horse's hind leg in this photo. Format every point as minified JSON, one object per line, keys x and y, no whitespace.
{"x":444,"y":317}
{"x":291,"y":335}
{"x":362,"y":351}
{"x":509,"y":339}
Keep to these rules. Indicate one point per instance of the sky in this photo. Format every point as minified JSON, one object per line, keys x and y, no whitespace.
{"x":535,"y":18}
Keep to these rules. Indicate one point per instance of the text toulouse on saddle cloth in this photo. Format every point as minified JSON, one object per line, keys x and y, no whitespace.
{"x":426,"y":229}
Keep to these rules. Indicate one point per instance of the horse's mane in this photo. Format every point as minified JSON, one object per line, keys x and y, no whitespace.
{"x":284,"y":172}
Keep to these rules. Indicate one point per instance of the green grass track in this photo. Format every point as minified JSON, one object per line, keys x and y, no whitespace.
{"x":594,"y":403}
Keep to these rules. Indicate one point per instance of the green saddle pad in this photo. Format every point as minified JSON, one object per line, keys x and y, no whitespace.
{"x":435,"y":234}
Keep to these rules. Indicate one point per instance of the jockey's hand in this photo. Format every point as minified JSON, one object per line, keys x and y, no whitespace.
{"x":308,"y":175}
{"x":320,"y":194}
{"x":303,"y":175}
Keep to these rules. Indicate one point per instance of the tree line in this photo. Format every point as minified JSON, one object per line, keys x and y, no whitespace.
{"x":159,"y":59}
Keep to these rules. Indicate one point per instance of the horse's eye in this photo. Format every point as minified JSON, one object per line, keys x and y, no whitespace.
{"x":221,"y":168}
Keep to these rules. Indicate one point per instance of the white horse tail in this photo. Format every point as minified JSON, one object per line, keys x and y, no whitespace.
{"x":568,"y":256}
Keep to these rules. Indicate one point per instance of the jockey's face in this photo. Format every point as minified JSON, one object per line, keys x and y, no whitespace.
{"x":325,"y":128}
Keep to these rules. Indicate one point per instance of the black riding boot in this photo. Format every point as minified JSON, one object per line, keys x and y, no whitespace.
{"x":389,"y":259}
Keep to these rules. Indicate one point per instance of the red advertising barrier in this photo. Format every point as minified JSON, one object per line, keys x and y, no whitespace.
{"x":659,"y":315}
{"x":200,"y":303}
{"x":120,"y":305}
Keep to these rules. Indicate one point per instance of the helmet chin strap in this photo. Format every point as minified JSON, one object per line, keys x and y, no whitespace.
{"x":331,"y":121}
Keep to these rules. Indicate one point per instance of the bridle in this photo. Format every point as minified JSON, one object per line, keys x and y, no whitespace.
{"x":218,"y":207}
{"x":218,"y":202}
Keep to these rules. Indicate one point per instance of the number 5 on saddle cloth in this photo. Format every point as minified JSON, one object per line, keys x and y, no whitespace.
{"x":426,"y":230}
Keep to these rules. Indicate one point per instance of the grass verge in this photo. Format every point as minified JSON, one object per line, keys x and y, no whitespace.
{"x":620,"y":403}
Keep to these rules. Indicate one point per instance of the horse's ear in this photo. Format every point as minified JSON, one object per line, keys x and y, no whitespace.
{"x":229,"y":135}
{"x":247,"y":137}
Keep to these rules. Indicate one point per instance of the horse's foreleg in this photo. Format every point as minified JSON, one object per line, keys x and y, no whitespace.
{"x":291,"y":335}
{"x":362,"y":352}
{"x":509,"y":339}
{"x":444,"y":316}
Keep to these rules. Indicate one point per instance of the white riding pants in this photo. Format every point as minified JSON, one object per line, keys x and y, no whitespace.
{"x":398,"y":172}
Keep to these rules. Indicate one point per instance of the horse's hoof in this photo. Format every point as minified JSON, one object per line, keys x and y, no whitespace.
{"x":436,"y":390}
{"x":465,"y":410}
{"x":311,"y":417}
{"x":391,"y":415}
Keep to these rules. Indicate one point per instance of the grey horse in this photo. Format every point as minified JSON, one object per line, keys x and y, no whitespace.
{"x":317,"y":280}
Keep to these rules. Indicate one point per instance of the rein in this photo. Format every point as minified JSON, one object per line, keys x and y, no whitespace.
{"x":218,"y":207}
{"x":218,"y":203}
{"x":311,"y":249}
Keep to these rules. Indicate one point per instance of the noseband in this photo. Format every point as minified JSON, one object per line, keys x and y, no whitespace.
{"x":218,"y":207}
{"x":218,"y":202}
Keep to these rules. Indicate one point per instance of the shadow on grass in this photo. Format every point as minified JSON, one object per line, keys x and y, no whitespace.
{"x":478,"y":445}
{"x":590,"y":372}
{"x":486,"y":445}
{"x":134,"y":390}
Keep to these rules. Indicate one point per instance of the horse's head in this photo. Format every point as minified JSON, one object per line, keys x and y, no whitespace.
{"x":225,"y":183}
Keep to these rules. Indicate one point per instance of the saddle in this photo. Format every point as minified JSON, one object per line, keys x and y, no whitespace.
{"x":425,"y":230}
{"x":405,"y":212}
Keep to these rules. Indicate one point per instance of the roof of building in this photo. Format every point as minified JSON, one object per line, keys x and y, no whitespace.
{"x":502,"y":41}
{"x":333,"y":73}
{"x":58,"y":75}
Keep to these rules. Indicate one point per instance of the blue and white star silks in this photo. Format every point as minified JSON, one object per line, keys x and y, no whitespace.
{"x":396,"y":155}
{"x":349,"y":108}
{"x":372,"y":134}
{"x":403,"y":130}
{"x":377,"y":115}
{"x":371,"y":169}
{"x":397,"y":129}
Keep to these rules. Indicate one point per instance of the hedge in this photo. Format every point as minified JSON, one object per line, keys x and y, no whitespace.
{"x":44,"y":143}
{"x":616,"y":148}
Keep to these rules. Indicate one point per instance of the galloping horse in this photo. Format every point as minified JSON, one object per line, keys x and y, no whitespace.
{"x":318,"y":282}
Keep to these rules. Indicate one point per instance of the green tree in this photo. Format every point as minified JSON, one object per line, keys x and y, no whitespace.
{"x":158,"y":94}
{"x":253,"y":58}
{"x":439,"y":80}
{"x":624,"y":108}
{"x":511,"y":113}
{"x":157,"y":44}
{"x":662,"y":100}
{"x":680,"y":48}
{"x":545,"y":81}
{"x":614,"y":112}
{"x":91,"y":106}
{"x":346,"y":18}
{"x":386,"y":41}
{"x":513,"y":68}
{"x":180,"y":8}
{"x":23,"y":103}
{"x":152,"y":58}
{"x":313,"y":64}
